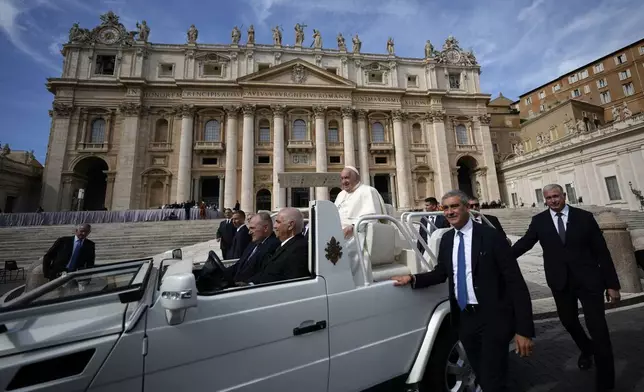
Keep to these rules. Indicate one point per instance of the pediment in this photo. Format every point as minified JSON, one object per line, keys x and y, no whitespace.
{"x":296,"y":73}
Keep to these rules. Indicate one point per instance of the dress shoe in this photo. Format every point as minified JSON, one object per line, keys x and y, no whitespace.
{"x":585,"y":361}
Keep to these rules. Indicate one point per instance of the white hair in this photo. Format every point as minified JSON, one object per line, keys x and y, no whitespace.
{"x":552,"y":187}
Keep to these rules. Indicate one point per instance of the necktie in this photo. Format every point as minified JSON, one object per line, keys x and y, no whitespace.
{"x":561,"y":228}
{"x":461,"y":283}
{"x":72,"y":263}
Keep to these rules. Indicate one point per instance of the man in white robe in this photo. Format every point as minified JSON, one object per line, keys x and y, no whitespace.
{"x":356,"y":200}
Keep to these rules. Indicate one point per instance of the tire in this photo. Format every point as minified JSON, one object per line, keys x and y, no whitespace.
{"x":448,"y":369}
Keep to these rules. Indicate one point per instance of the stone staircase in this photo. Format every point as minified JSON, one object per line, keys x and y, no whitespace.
{"x":515,"y":221}
{"x":114,"y":241}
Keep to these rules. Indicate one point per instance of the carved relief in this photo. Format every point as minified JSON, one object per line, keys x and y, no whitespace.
{"x":453,"y":54}
{"x":231,"y":111}
{"x":485,"y":119}
{"x":109,"y":32}
{"x":437,"y":115}
{"x":298,"y":74}
{"x":62,"y":109}
{"x":130,"y":108}
{"x":362,"y":114}
{"x":626,"y":112}
{"x":185,"y":110}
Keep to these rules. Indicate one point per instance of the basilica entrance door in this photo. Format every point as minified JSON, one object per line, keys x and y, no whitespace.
{"x":300,"y":197}
{"x":91,"y":172}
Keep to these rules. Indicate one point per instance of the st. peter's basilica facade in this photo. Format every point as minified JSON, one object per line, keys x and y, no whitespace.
{"x":138,"y":125}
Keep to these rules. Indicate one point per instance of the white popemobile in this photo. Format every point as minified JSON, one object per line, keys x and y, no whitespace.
{"x":143,"y":325}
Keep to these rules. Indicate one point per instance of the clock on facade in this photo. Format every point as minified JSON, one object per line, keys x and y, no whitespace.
{"x":453,"y":56}
{"x":108,"y":35}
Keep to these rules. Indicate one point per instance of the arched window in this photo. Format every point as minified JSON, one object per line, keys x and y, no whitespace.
{"x":299,"y":130}
{"x":212,"y":131}
{"x":461,"y":134}
{"x":98,"y":131}
{"x":161,"y":131}
{"x":416,"y":134}
{"x":421,"y":187}
{"x":264,"y":131}
{"x":377,"y":133}
{"x":333,"y":135}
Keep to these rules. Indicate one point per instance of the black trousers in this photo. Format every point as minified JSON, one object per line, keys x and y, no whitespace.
{"x":487,"y":348}
{"x":600,"y":345}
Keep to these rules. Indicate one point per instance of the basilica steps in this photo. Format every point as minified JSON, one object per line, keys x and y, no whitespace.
{"x":114,"y":241}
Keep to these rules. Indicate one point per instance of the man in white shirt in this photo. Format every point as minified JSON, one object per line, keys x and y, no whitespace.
{"x":489,"y":300}
{"x":356,"y":200}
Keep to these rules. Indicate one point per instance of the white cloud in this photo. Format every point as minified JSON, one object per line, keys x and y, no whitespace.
{"x":527,"y":12}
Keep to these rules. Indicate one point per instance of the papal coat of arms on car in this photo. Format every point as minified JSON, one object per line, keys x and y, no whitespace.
{"x":333,"y":250}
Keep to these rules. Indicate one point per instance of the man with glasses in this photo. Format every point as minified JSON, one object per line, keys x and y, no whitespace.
{"x":475,"y":205}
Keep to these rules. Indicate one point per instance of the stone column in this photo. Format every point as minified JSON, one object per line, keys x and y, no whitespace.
{"x":363,"y":141}
{"x":230,"y":189}
{"x":279,"y":192}
{"x":438,"y":144}
{"x":124,"y":193}
{"x":61,"y":114}
{"x":185,"y":153}
{"x":321,"y":193}
{"x":109,"y":191}
{"x":488,"y":157}
{"x":222,"y":181}
{"x":349,"y":144}
{"x":621,"y":250}
{"x":401,"y":164}
{"x":248,"y":156}
{"x":392,"y":190}
{"x":196,"y":193}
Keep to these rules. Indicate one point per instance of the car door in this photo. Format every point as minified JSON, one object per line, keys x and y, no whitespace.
{"x":260,"y":338}
{"x":57,"y":337}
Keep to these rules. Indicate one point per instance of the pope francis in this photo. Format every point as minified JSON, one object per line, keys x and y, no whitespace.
{"x":356,"y":199}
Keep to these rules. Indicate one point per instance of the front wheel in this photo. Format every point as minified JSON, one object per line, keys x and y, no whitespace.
{"x":448,"y":369}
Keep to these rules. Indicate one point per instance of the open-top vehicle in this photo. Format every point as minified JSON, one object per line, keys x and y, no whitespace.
{"x":144,"y":325}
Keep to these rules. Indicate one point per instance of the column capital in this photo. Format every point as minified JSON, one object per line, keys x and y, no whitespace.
{"x":485,"y":119}
{"x":132,"y":109}
{"x":278,"y":110}
{"x":319,"y":111}
{"x":437,"y":115}
{"x":398,"y":115}
{"x":231,"y":111}
{"x":185,"y":110}
{"x":248,"y":110}
{"x":347,"y":112}
{"x":62,"y":109}
{"x":362,"y":114}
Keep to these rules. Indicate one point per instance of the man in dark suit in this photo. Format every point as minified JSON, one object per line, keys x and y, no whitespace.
{"x":291,"y":259}
{"x":226,"y":232}
{"x":70,"y":253}
{"x":489,"y":299}
{"x":264,"y":245}
{"x":431,"y":205}
{"x":475,"y":205}
{"x":578,"y":266}
{"x":242,"y":237}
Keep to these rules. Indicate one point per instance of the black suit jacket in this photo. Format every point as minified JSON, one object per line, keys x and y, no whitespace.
{"x":497,"y":225}
{"x":248,"y":266}
{"x":226,"y":232}
{"x":440,"y":222}
{"x":502,"y":294}
{"x":240,"y":242}
{"x":290,"y":261}
{"x":584,"y":260}
{"x":57,"y":257}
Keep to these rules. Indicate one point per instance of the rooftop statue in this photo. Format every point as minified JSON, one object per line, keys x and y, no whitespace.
{"x":277,"y":36}
{"x":390,"y":45}
{"x":144,"y":31}
{"x":299,"y":34}
{"x":251,"y":35}
{"x":357,"y":44}
{"x":235,"y":35}
{"x":192,"y":34}
{"x":317,"y":39}
{"x":341,"y":44}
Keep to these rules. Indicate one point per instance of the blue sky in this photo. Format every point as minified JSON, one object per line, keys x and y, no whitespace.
{"x":519,"y":43}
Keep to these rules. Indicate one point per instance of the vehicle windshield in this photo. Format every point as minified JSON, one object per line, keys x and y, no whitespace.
{"x":115,"y":278}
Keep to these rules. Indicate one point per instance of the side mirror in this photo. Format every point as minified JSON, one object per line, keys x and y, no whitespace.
{"x":178,"y":293}
{"x":177,"y":254}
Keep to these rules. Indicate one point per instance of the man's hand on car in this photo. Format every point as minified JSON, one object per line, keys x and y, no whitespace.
{"x":402,"y":280}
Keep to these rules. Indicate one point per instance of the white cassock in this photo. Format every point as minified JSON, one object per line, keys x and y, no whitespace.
{"x":362,"y":201}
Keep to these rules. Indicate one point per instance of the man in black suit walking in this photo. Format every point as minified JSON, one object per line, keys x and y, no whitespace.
{"x":226,"y":232}
{"x":242,"y":237}
{"x":291,"y":259}
{"x":438,"y":222}
{"x":578,"y":266}
{"x":475,"y":205}
{"x":70,"y":253}
{"x":264,"y":245}
{"x":489,"y":300}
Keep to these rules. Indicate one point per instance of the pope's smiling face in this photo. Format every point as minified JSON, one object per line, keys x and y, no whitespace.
{"x":348,"y":180}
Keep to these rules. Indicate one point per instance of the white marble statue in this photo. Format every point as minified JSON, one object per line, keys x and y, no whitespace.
{"x":390,"y":45}
{"x":356,"y":199}
{"x":429,"y":49}
{"x":277,"y":36}
{"x":341,"y":44}
{"x":192,"y":34}
{"x":299,"y":34}
{"x":317,"y":39}
{"x":626,"y":112}
{"x":235,"y":35}
{"x":144,"y":31}
{"x":251,"y":35}
{"x":616,"y":115}
{"x":581,"y":126}
{"x":357,"y":44}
